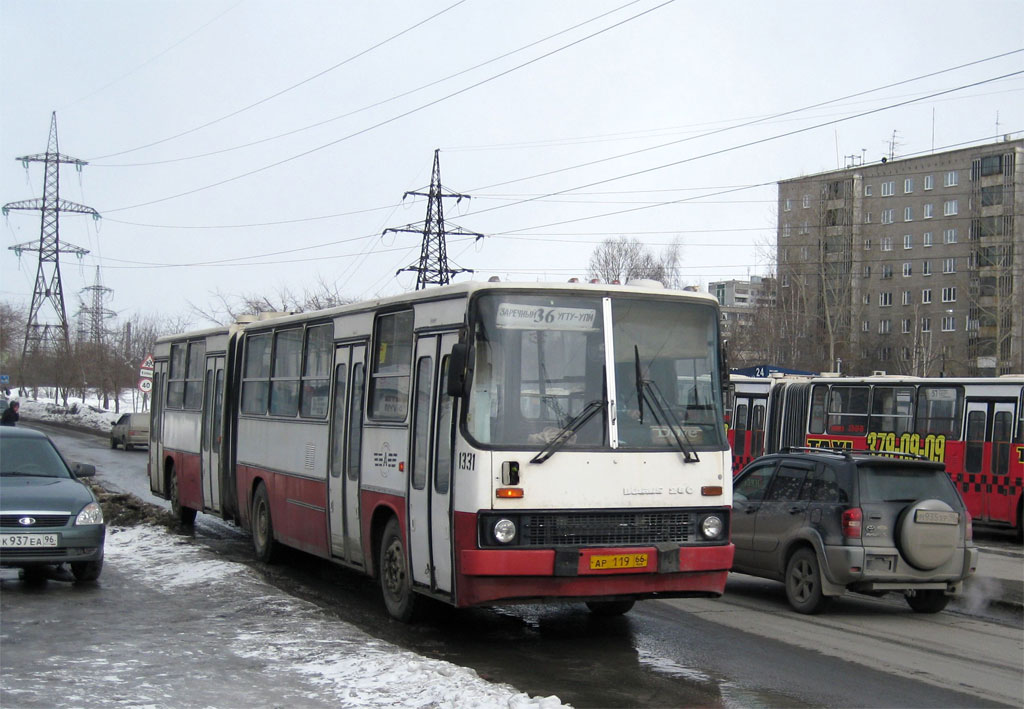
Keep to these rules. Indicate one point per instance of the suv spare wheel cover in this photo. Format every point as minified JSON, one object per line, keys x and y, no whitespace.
{"x":929,"y":533}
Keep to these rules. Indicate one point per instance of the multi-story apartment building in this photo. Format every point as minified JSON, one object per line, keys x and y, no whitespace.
{"x":745,"y":305}
{"x":911,"y":266}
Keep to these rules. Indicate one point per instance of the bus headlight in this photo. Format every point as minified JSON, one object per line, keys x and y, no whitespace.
{"x":711,"y":527}
{"x":504,"y":530}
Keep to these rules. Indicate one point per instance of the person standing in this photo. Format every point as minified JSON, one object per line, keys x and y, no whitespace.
{"x":10,"y":416}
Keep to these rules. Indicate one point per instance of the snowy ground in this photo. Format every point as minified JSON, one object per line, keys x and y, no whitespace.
{"x":333,"y":658}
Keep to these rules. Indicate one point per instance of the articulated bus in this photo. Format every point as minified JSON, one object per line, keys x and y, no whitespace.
{"x":973,"y":425}
{"x":478,"y":444}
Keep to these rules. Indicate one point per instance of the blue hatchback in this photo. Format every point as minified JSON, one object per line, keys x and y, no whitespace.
{"x":47,"y":515}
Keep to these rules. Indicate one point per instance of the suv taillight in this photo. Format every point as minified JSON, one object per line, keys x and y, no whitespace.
{"x":970,"y":526}
{"x":851,"y":522}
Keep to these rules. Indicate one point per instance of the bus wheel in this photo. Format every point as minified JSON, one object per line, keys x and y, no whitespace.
{"x":395,"y":583}
{"x":263,"y":527}
{"x":609,"y":608}
{"x":185,"y":515}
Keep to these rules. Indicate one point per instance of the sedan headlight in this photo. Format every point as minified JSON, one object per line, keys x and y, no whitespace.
{"x":711,"y":527}
{"x":90,"y":514}
{"x":504,"y":530}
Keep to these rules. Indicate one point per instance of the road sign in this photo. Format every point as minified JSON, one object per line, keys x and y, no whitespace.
{"x":145,"y":385}
{"x":148,"y":363}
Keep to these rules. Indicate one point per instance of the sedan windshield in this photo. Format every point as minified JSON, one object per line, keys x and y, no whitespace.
{"x":31,"y":457}
{"x":541,"y":360}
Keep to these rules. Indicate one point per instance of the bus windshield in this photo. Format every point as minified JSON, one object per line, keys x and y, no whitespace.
{"x":541,"y":360}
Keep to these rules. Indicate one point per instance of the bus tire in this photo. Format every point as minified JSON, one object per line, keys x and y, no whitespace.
{"x":395,"y":581}
{"x":803,"y":582}
{"x":185,"y":515}
{"x":607,"y":609}
{"x":263,"y":543}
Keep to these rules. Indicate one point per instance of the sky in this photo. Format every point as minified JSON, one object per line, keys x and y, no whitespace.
{"x":252,"y":147}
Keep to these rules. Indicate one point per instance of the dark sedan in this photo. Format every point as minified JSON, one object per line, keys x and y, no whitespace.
{"x":47,"y":515}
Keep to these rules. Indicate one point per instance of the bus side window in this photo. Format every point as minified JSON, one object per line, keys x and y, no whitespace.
{"x":1002,"y":428}
{"x":757,"y":428}
{"x":848,"y":410}
{"x":818,"y":397}
{"x":975,"y":441}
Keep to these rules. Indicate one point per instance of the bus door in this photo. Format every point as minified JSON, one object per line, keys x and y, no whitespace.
{"x":430,"y":466}
{"x":748,"y":430}
{"x":156,"y":422}
{"x":213,"y":417}
{"x":346,"y":446}
{"x":988,"y":442}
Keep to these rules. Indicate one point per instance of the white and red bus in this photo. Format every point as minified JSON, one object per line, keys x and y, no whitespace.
{"x":477,"y":443}
{"x":973,"y":425}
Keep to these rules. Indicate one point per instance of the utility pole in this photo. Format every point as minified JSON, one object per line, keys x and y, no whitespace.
{"x":43,"y":336}
{"x":433,"y":268}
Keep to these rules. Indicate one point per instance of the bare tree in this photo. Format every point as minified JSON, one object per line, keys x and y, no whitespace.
{"x":625,"y":259}
{"x":228,"y":308}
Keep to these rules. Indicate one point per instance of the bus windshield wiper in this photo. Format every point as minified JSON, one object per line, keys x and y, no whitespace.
{"x":568,"y":430}
{"x":662,"y":411}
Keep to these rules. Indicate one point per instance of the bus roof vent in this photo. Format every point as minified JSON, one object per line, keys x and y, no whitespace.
{"x":645,"y":283}
{"x":878,"y":373}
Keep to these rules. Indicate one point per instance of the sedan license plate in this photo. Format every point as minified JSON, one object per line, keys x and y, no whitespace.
{"x":28,"y":541}
{"x":600,"y":562}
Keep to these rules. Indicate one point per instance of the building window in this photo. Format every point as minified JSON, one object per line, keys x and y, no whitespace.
{"x":886,"y":243}
{"x":867,"y":217}
{"x":949,"y":294}
{"x":950,"y":208}
{"x":867,"y":271}
{"x":906,"y":297}
{"x":867,"y":190}
{"x":949,"y":236}
{"x":865,"y":326}
{"x":948,"y":323}
{"x":908,"y":214}
{"x":929,"y":210}
{"x":804,"y":254}
{"x":885,"y":299}
{"x":789,"y":205}
{"x":907,"y":323}
{"x":991,"y":165}
{"x":929,"y":182}
{"x":884,"y":327}
{"x":867,"y":297}
{"x":888,"y":189}
{"x":807,"y":201}
{"x":991,"y":196}
{"x":926,"y":268}
{"x":888,"y":216}
{"x":804,"y":229}
{"x":951,"y":179}
{"x":886,"y":271}
{"x":949,"y":265}
{"x":867,"y":244}
{"x":908,"y":270}
{"x":926,"y":324}
{"x":785,"y":280}
{"x":926,"y":239}
{"x":908,"y":185}
{"x":926,"y":296}
{"x":786,"y":230}
{"x":908,"y":241}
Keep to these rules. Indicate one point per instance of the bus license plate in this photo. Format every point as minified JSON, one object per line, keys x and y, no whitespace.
{"x":27,"y":541}
{"x":618,"y":561}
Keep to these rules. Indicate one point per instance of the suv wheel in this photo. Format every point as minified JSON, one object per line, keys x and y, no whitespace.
{"x":927,"y":601}
{"x":928,"y":544}
{"x":803,"y":582}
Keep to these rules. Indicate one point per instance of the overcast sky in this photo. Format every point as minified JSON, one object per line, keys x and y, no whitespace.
{"x":245,"y":147}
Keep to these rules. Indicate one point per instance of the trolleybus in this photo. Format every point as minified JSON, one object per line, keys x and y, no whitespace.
{"x":973,"y":425}
{"x":478,"y":443}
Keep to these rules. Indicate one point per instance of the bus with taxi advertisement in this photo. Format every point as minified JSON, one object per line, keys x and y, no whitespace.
{"x":975,"y":426}
{"x":477,"y":443}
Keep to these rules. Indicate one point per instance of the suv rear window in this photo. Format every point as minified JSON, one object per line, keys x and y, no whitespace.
{"x":880,"y":483}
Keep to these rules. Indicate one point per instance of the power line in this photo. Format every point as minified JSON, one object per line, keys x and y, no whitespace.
{"x":394,"y":118}
{"x":286,"y":90}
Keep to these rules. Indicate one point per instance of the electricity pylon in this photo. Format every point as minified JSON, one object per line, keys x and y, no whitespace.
{"x":433,"y":268}
{"x":93,"y":317}
{"x":45,"y":336}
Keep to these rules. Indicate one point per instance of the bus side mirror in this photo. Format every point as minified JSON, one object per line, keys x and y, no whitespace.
{"x":457,"y":369}
{"x":723,"y":363}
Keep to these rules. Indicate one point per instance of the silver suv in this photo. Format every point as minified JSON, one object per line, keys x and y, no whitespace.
{"x":825,"y":522}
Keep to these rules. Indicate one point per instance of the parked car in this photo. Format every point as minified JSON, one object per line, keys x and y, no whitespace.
{"x":825,"y":522}
{"x":47,"y":515}
{"x":129,"y":431}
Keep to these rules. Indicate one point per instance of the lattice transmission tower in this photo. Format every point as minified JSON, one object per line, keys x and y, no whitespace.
{"x":43,"y":335}
{"x":93,"y":313}
{"x":433,"y":268}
